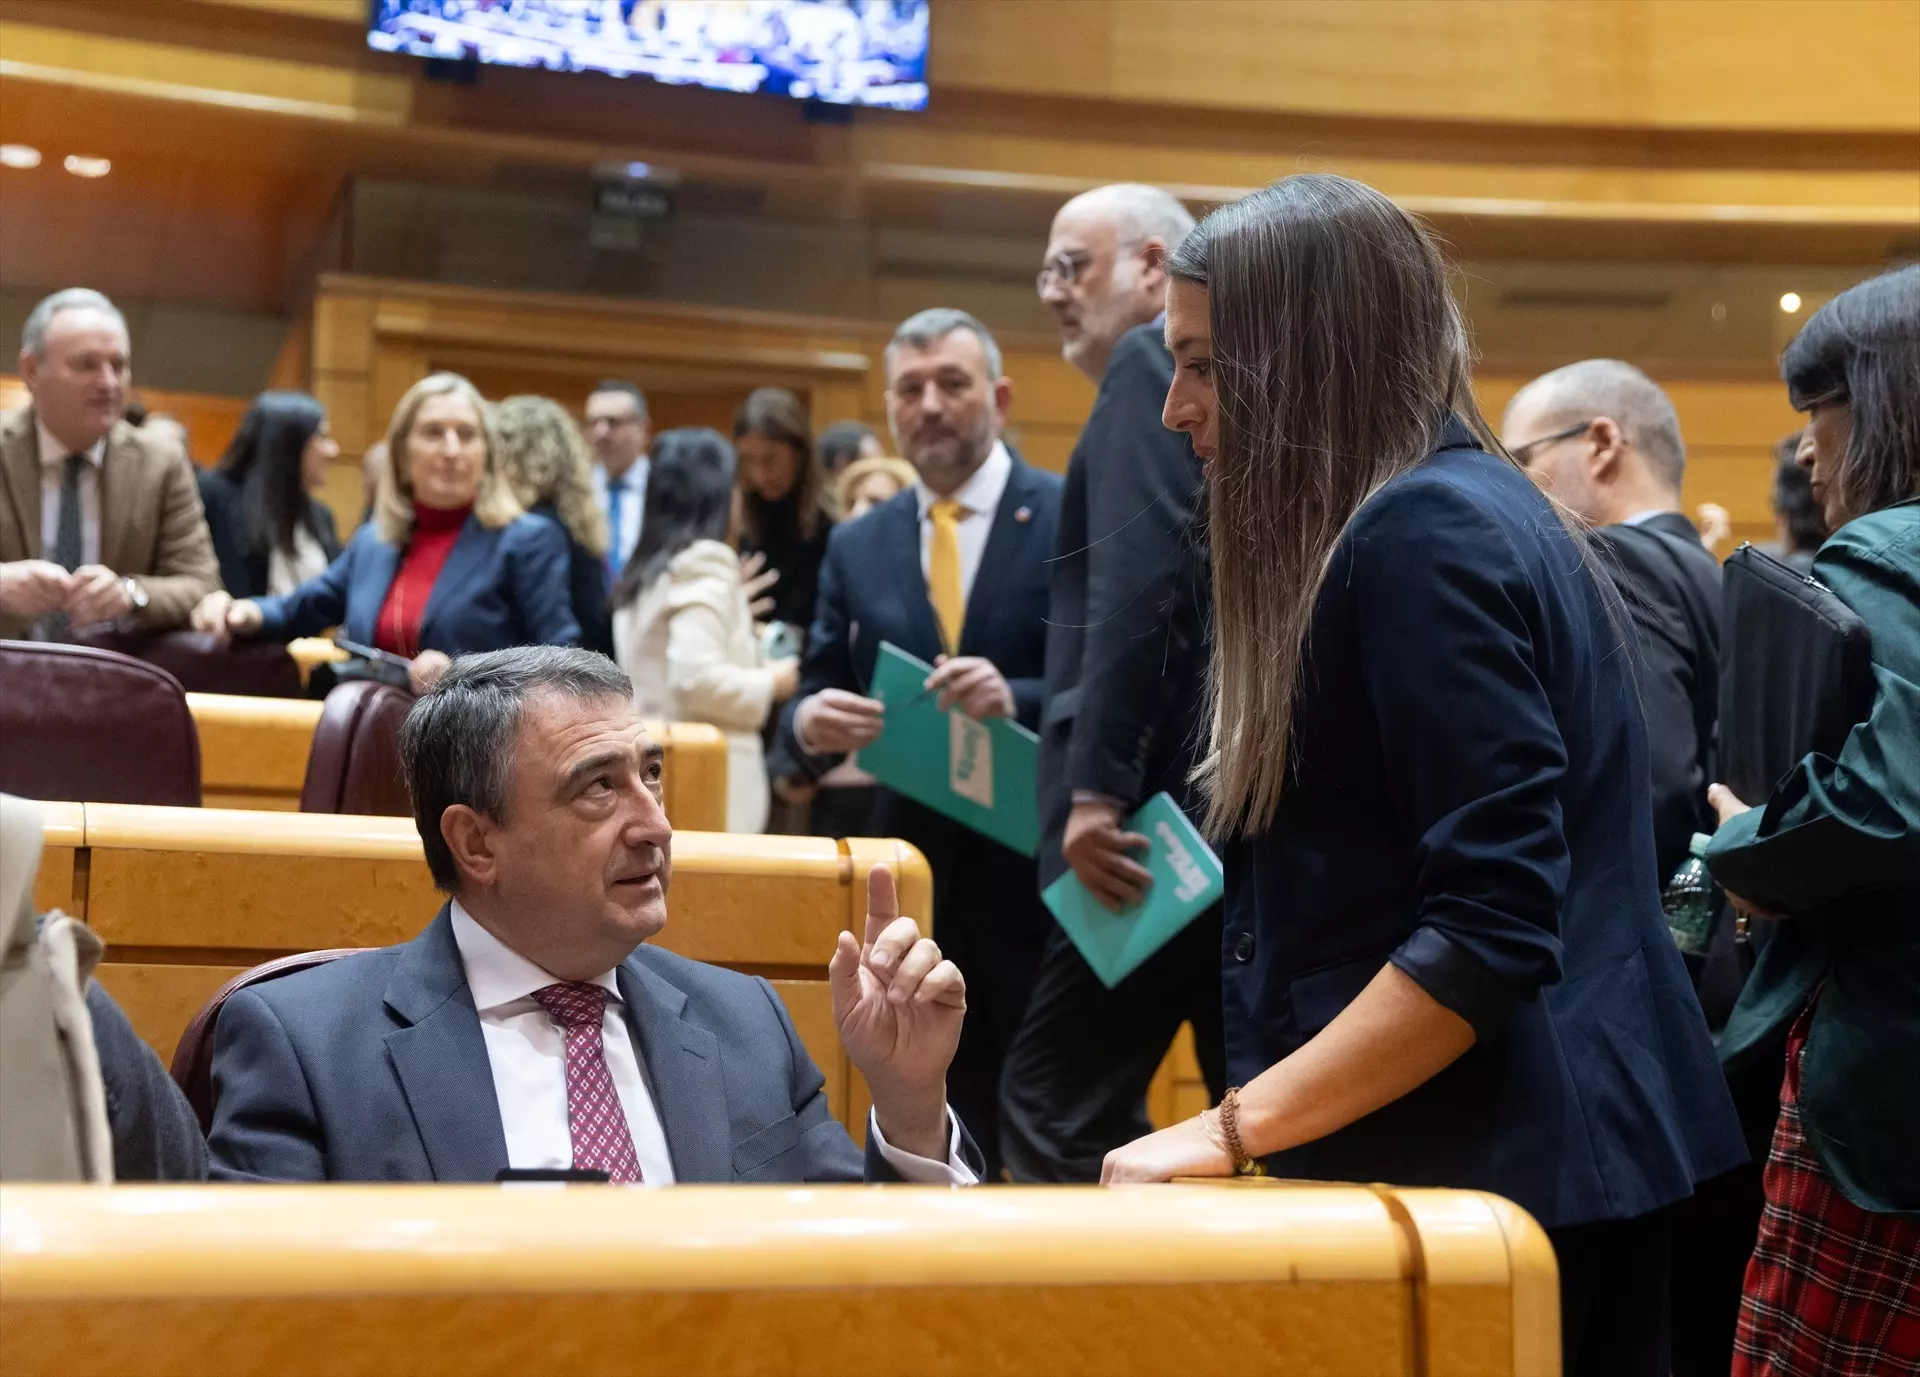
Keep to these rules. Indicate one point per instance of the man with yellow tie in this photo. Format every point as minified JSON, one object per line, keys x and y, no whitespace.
{"x":954,"y":570}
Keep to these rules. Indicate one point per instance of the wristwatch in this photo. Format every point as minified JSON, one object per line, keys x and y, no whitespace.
{"x":136,"y":595}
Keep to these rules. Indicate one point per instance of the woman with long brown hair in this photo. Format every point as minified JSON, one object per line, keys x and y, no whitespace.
{"x":1445,"y":958}
{"x":784,"y":518}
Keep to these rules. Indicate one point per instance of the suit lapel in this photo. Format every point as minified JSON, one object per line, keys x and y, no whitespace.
{"x":464,"y":561}
{"x":20,"y":473}
{"x":375,"y":566}
{"x":900,"y":549}
{"x":684,"y":1073}
{"x":441,"y":1059}
{"x":123,"y":500}
{"x":1006,"y":542}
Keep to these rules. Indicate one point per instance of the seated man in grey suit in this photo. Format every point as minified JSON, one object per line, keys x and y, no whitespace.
{"x":529,"y":1027}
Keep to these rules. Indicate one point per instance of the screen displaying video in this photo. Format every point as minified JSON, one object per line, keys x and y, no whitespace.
{"x":848,"y":52}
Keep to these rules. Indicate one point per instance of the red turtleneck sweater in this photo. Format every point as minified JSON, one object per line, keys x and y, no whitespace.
{"x":435,"y":529}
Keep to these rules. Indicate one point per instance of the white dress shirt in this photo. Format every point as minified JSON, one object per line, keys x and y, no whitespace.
{"x":527,"y":1054}
{"x":979,"y":499}
{"x":53,"y":476}
{"x":633,"y":504}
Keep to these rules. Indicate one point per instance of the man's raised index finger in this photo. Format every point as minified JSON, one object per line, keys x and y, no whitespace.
{"x":883,"y":903}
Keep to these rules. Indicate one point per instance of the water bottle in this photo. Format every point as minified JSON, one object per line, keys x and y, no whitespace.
{"x":1691,"y":900}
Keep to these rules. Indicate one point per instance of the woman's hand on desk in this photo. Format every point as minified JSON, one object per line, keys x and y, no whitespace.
{"x":219,"y":614}
{"x":1192,"y":1148}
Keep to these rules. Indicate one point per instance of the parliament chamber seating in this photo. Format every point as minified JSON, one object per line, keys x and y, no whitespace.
{"x":259,"y":753}
{"x":204,"y":663}
{"x":76,"y":720}
{"x":353,"y":765}
{"x":192,"y":1068}
{"x":468,"y":1281}
{"x":188,"y":898}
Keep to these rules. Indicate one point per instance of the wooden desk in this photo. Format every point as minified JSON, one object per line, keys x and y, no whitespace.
{"x":253,"y":754}
{"x":187,"y":898}
{"x":469,"y":1281}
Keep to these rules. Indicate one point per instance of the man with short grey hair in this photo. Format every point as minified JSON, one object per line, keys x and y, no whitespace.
{"x":531,"y":1028}
{"x":1126,"y":679}
{"x":1602,"y":437}
{"x":98,"y":520}
{"x":954,"y":571}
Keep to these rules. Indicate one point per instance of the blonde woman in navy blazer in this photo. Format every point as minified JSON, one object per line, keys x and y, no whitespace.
{"x":449,"y":564}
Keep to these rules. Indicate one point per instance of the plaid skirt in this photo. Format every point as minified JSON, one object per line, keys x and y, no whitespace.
{"x":1833,"y":1290}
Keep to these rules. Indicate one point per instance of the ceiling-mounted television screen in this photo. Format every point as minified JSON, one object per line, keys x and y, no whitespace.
{"x":848,"y":52}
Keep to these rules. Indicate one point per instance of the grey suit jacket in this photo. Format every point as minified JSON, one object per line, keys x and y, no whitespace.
{"x":152,"y":526}
{"x":374,"y":1068}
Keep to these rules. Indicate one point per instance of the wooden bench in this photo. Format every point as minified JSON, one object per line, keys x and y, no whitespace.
{"x":253,"y":754}
{"x":904,"y":1281}
{"x":187,"y":898}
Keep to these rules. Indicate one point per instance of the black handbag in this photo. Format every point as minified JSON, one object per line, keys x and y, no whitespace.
{"x":1796,"y":672}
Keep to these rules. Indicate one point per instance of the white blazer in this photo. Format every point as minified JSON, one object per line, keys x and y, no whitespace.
{"x":688,"y":644}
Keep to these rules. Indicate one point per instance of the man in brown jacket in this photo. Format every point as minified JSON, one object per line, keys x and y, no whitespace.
{"x":98,"y":521}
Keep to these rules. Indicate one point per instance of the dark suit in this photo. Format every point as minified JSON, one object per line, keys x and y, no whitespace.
{"x":1468,"y":801}
{"x":1126,"y":690}
{"x":1671,"y":583}
{"x":586,"y":588}
{"x":498,"y":588}
{"x":987,"y":914}
{"x":243,"y":570}
{"x":374,"y":1068}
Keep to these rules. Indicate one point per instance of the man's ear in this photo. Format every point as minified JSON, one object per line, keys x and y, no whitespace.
{"x":29,"y":369}
{"x":1002,"y":397}
{"x":469,"y":836}
{"x":1153,"y":268}
{"x":1609,"y":446}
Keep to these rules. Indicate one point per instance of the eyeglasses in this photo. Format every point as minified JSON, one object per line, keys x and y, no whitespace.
{"x":1523,"y":454}
{"x":1064,"y":268}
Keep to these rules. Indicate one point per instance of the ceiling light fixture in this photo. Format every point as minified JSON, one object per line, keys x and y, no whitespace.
{"x":1790,"y":302}
{"x":19,"y":155}
{"x":88,"y":167}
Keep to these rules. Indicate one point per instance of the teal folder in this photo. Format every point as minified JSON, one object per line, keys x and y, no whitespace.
{"x":1187,"y":880}
{"x":980,"y":774}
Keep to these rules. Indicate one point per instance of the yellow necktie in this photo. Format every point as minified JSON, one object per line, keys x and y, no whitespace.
{"x":943,"y":572}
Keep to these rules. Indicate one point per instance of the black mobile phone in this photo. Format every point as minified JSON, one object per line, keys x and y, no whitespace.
{"x":564,"y":1175}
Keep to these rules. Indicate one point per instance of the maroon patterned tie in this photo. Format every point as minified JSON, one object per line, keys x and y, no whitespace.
{"x":595,"y":1119}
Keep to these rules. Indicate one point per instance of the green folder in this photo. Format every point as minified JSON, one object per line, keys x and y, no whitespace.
{"x":980,"y":774}
{"x":1187,"y":880}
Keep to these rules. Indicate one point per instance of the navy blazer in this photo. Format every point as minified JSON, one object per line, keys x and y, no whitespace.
{"x":1468,"y":800}
{"x":374,"y":1068}
{"x":872,"y":589}
{"x":498,"y":588}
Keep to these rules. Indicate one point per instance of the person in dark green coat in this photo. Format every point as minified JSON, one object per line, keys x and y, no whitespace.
{"x":1833,"y":857}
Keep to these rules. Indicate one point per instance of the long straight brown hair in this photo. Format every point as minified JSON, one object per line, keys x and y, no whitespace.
{"x":1338,"y":356}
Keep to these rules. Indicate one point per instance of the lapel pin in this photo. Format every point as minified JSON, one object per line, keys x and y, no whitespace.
{"x":1023,"y":515}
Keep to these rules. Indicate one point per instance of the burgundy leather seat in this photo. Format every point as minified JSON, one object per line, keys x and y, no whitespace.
{"x":192,"y":1068}
{"x":204,"y":664}
{"x":92,"y":726}
{"x":354,"y":766}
